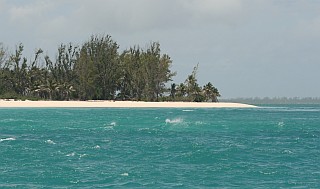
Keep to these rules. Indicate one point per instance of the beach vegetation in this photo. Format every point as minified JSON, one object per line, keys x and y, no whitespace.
{"x":97,"y":70}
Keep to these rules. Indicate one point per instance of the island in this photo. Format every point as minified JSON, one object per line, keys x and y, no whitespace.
{"x":98,"y":74}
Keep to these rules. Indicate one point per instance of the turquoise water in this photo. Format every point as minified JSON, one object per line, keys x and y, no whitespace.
{"x":268,"y":147}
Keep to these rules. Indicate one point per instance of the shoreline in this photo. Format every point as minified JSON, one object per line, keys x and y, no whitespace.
{"x":118,"y":104}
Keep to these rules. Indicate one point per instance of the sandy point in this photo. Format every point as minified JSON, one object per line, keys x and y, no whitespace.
{"x":118,"y":104}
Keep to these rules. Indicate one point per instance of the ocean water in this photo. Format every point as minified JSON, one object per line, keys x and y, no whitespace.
{"x":266,"y":147}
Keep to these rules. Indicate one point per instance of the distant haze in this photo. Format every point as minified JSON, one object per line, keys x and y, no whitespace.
{"x":246,"y":48}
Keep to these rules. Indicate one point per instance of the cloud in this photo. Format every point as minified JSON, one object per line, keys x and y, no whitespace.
{"x":230,"y":38}
{"x":2,"y":4}
{"x":118,"y":16}
{"x":307,"y":29}
{"x":128,"y":16}
{"x":30,"y":12}
{"x":214,"y":8}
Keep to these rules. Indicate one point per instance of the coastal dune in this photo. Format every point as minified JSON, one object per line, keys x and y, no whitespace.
{"x":117,"y":104}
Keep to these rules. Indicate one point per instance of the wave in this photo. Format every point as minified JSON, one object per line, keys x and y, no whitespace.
{"x":110,"y":126}
{"x":71,"y":154}
{"x":74,"y":154}
{"x":199,"y":123}
{"x":15,"y":120}
{"x":7,"y":139}
{"x":281,"y":124}
{"x":49,"y":142}
{"x":174,"y":121}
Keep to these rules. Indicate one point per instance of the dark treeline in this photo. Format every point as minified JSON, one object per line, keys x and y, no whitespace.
{"x":96,"y":70}
{"x":276,"y":100}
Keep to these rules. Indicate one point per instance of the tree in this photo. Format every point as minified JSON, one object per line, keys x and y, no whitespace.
{"x":192,"y":87}
{"x":215,"y":94}
{"x":3,"y":56}
{"x":181,"y":91}
{"x":144,"y":73}
{"x":19,"y":66}
{"x":133,"y":78}
{"x":157,"y":71}
{"x":3,"y":71}
{"x":210,"y":92}
{"x":62,"y":72}
{"x":173,"y":91}
{"x":35,"y":75}
{"x":86,"y":74}
{"x":98,"y":68}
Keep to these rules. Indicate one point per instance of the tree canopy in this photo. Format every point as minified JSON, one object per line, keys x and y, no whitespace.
{"x":96,"y":70}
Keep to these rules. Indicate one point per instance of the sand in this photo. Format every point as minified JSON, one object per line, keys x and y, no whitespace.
{"x":117,"y":104}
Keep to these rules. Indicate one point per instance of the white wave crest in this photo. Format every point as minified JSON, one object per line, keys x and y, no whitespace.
{"x":174,"y":121}
{"x":111,"y":125}
{"x":7,"y":139}
{"x":125,"y":174}
{"x":49,"y":142}
{"x":71,"y":154}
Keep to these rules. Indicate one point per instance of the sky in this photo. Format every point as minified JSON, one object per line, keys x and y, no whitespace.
{"x":246,"y":48}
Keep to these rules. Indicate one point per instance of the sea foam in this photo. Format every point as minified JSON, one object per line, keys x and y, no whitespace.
{"x":6,"y":139}
{"x":49,"y":142}
{"x":125,"y":174}
{"x":111,"y":125}
{"x":174,"y":121}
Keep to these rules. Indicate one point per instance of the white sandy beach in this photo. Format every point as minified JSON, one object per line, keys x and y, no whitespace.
{"x":117,"y":104}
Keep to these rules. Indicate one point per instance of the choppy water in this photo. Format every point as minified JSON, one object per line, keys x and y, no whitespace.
{"x":269,"y":147}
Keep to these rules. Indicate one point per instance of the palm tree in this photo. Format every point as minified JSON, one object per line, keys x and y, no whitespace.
{"x":42,"y":91}
{"x":173,"y":91}
{"x":210,"y":92}
{"x":215,"y":95}
{"x":181,"y":90}
{"x":193,"y":89}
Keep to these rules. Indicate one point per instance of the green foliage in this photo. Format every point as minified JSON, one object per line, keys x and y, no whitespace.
{"x":210,"y":93}
{"x":157,"y":71}
{"x":97,"y":71}
{"x":98,"y":68}
{"x":132,"y":82}
{"x":3,"y":55}
{"x":13,"y":95}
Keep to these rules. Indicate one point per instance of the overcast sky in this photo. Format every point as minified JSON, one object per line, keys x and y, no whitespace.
{"x":246,"y":48}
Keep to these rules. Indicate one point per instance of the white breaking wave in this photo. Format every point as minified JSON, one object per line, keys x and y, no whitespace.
{"x":111,"y":125}
{"x":50,"y":142}
{"x":187,"y":110}
{"x":125,"y":174}
{"x":174,"y":121}
{"x":71,"y":154}
{"x":6,"y":139}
